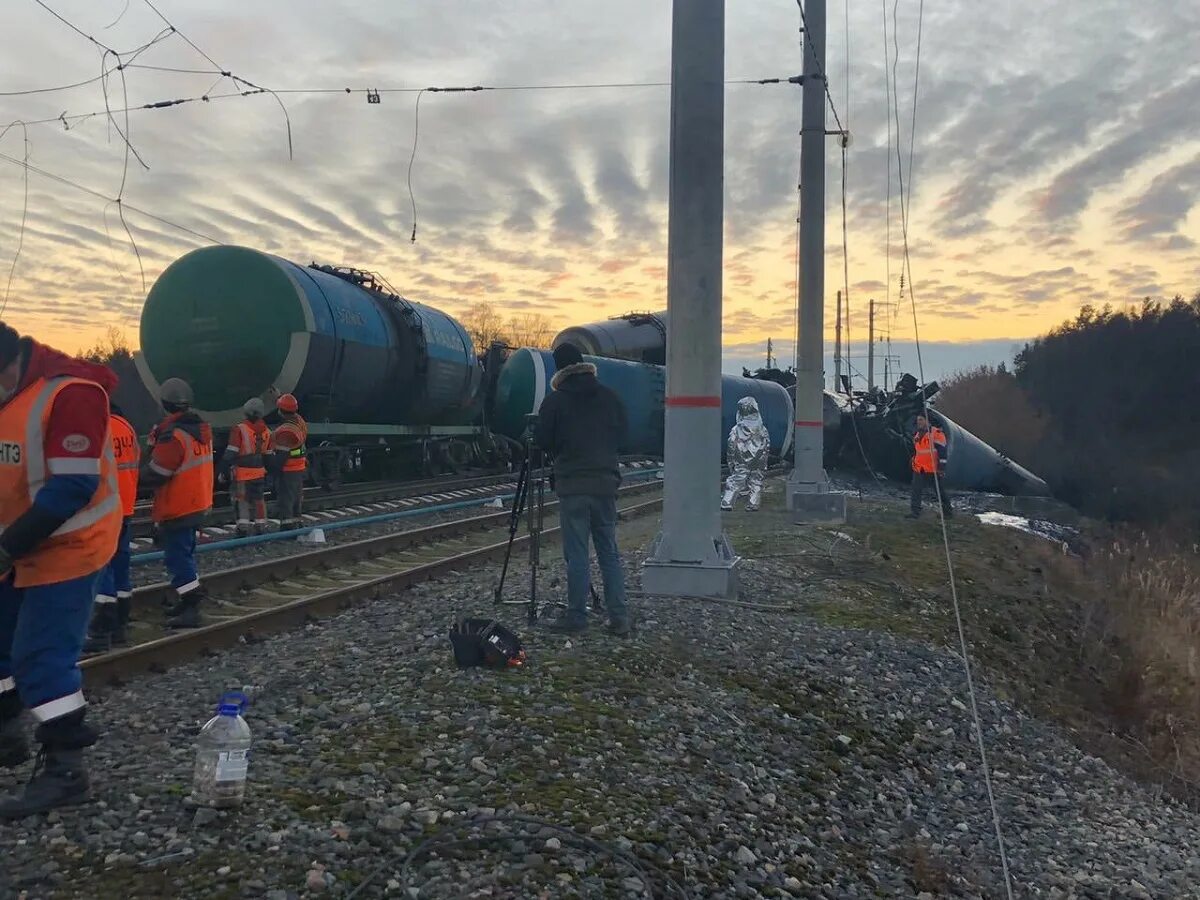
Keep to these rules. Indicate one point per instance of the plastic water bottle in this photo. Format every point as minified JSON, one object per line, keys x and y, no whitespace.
{"x":223,"y":755}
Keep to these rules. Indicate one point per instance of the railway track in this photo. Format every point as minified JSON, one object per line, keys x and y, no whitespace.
{"x":324,"y":506}
{"x":253,"y":600}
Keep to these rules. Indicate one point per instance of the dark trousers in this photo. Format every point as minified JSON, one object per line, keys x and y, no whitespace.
{"x":919,"y":480}
{"x":582,"y":516}
{"x":114,"y":578}
{"x":42,"y":630}
{"x":289,"y":491}
{"x":179,"y":558}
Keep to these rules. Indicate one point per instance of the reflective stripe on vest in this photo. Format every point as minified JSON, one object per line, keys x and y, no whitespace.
{"x":247,"y":466}
{"x":189,"y":490}
{"x":296,"y":457}
{"x":925,"y":458}
{"x":128,"y":454}
{"x":85,"y":542}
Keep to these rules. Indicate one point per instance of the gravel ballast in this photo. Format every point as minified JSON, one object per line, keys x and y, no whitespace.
{"x":741,"y":750}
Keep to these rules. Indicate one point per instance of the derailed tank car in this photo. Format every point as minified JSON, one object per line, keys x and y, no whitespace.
{"x":525,"y":380}
{"x":636,"y":336}
{"x":362,"y":360}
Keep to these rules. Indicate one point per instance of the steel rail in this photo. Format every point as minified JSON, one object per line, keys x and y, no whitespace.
{"x":158,"y":654}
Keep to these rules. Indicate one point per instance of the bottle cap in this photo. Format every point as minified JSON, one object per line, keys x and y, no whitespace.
{"x":231,"y":703}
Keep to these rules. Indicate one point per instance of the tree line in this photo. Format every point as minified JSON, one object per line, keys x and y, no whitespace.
{"x":1103,"y":407}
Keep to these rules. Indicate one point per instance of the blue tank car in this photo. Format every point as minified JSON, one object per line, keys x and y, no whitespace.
{"x":525,"y":380}
{"x":238,"y":323}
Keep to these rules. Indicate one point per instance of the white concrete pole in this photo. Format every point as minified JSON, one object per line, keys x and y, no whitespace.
{"x":691,"y":555}
{"x":808,"y":492}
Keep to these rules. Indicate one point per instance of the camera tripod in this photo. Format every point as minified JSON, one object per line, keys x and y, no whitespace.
{"x":531,"y":477}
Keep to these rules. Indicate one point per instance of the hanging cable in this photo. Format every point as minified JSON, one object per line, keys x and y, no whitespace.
{"x":887,"y":215}
{"x":24,"y":212}
{"x":905,"y":205}
{"x":416,"y":134}
{"x":819,"y":67}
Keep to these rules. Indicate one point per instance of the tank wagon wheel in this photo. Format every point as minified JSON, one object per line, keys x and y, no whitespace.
{"x":458,"y":454}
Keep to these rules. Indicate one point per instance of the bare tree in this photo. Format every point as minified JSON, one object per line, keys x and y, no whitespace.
{"x":485,"y":325}
{"x":113,"y":346}
{"x":531,"y":330}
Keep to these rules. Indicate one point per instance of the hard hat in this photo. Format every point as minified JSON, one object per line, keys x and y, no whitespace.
{"x":175,"y":392}
{"x":287,"y":403}
{"x":253,"y":408}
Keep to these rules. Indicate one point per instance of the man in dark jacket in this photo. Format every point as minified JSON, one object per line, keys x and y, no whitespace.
{"x":582,"y":424}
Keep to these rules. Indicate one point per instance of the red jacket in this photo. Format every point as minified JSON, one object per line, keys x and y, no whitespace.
{"x":75,"y":413}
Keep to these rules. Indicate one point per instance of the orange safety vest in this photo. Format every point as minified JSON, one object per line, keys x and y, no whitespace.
{"x":189,"y":491}
{"x":925,"y":459}
{"x":250,"y":443}
{"x":85,"y":542}
{"x":128,"y":455}
{"x":291,"y":436}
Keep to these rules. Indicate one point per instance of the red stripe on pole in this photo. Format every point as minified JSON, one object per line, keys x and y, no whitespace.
{"x":804,"y":424}
{"x":695,"y":401}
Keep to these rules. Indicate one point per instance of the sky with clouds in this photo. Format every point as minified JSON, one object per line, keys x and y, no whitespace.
{"x":1056,"y":163}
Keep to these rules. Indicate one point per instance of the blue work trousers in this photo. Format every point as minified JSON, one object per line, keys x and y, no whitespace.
{"x":42,"y":630}
{"x":114,"y":578}
{"x":581,"y":516}
{"x":179,"y":557}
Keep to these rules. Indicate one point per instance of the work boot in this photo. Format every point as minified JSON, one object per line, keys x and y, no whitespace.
{"x":185,"y":612}
{"x":120,"y":635}
{"x":101,"y":629}
{"x":59,"y":779}
{"x":59,"y":776}
{"x":620,"y":628}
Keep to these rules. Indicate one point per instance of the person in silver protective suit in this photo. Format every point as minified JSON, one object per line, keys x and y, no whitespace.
{"x":746,"y":455}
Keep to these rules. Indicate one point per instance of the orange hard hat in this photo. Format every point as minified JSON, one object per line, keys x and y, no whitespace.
{"x":287,"y":403}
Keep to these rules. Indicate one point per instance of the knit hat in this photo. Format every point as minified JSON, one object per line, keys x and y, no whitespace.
{"x":9,"y":345}
{"x":566,"y":355}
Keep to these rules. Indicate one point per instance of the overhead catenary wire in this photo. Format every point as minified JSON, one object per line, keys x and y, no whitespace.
{"x":218,"y":69}
{"x":905,"y":206}
{"x":100,"y":195}
{"x":72,"y":119}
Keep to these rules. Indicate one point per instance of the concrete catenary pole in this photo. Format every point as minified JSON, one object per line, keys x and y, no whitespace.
{"x":691,"y":556}
{"x":837,"y":349}
{"x":808,"y":494}
{"x":871,"y":346}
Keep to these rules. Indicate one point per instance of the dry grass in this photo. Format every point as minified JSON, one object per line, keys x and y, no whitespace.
{"x":1140,"y":639}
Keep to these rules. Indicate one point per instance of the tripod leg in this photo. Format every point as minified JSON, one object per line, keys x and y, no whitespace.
{"x":514,"y":522}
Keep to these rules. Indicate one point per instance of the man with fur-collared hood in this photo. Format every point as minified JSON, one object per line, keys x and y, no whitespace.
{"x":582,"y":424}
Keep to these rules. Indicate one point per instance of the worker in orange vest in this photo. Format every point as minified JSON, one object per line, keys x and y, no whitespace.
{"x":180,"y":470}
{"x":246,"y":453}
{"x":114,"y":592}
{"x":60,"y":510}
{"x":930,"y":455}
{"x":291,"y":453}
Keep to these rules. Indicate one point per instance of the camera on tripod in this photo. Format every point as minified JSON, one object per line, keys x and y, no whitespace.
{"x":531,"y":477}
